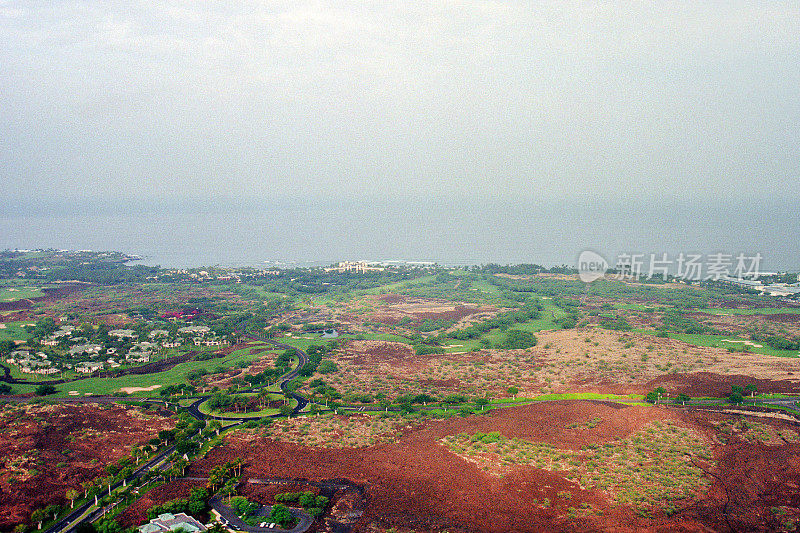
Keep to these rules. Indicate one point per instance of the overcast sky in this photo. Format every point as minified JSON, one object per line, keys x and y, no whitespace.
{"x":363,"y":98}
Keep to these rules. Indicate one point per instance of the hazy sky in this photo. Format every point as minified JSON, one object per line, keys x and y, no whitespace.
{"x":366,"y":98}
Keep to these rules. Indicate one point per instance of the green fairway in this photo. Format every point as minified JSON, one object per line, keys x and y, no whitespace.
{"x":250,"y":414}
{"x":725,"y":341}
{"x":588,"y":396}
{"x":14,"y":331}
{"x":12,"y":294}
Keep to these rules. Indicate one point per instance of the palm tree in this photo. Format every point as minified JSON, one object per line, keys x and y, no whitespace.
{"x":71,"y":495}
{"x":87,"y":486}
{"x":38,"y":516}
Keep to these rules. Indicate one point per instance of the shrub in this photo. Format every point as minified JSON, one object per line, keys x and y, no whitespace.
{"x":45,"y":390}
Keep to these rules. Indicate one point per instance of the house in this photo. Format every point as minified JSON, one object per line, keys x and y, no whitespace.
{"x":36,"y":366}
{"x":158,"y":333}
{"x":88,"y":348}
{"x":138,"y":357}
{"x":194,"y":330}
{"x":353,"y":266}
{"x":88,"y":367}
{"x":122,"y":333}
{"x":173,"y":344}
{"x":172,"y":522}
{"x":210,"y":342}
{"x":20,"y":354}
{"x":50,"y":341}
{"x":63,"y":331}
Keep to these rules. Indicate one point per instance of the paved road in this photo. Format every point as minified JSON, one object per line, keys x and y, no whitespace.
{"x":302,"y":402}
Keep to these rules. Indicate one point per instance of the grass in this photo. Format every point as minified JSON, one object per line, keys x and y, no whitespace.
{"x":587,"y":396}
{"x":12,"y":294}
{"x":250,"y":414}
{"x":723,"y":341}
{"x":14,"y":331}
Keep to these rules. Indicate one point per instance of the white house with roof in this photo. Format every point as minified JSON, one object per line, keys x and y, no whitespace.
{"x":88,"y":348}
{"x":138,"y":357}
{"x":156,"y":333}
{"x":88,"y":367}
{"x":50,"y":341}
{"x":194,"y":330}
{"x":172,"y":522}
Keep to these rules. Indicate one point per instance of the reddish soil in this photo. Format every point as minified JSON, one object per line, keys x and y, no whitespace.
{"x":458,"y":313}
{"x":136,"y":514}
{"x":415,"y":482}
{"x":16,"y":305}
{"x":35,"y":470}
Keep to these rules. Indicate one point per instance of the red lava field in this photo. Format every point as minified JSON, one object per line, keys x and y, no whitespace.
{"x":416,"y":483}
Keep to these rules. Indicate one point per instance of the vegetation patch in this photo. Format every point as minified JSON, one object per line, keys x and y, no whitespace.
{"x":657,"y":464}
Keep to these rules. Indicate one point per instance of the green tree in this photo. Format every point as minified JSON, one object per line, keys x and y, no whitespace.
{"x":482,"y":402}
{"x":52,"y":510}
{"x":519,"y":340}
{"x":735,"y":397}
{"x":39,"y":516}
{"x":682,"y":399}
{"x":72,"y":495}
{"x":512,"y":390}
{"x":45,"y":390}
{"x":281,"y":514}
{"x":108,"y":526}
{"x":752,"y":389}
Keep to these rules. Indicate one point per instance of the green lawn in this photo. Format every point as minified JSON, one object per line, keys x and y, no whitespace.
{"x":251,"y":414}
{"x":588,"y":396}
{"x":11,"y":294}
{"x":723,"y":341}
{"x":14,"y":331}
{"x":729,"y":341}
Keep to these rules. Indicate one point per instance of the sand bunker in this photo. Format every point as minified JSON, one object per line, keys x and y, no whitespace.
{"x":131,"y":390}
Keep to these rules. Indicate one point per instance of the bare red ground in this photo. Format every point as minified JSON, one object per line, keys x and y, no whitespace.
{"x":416,"y":482}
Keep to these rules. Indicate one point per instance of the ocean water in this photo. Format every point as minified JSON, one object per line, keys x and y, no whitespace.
{"x":453,"y":231}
